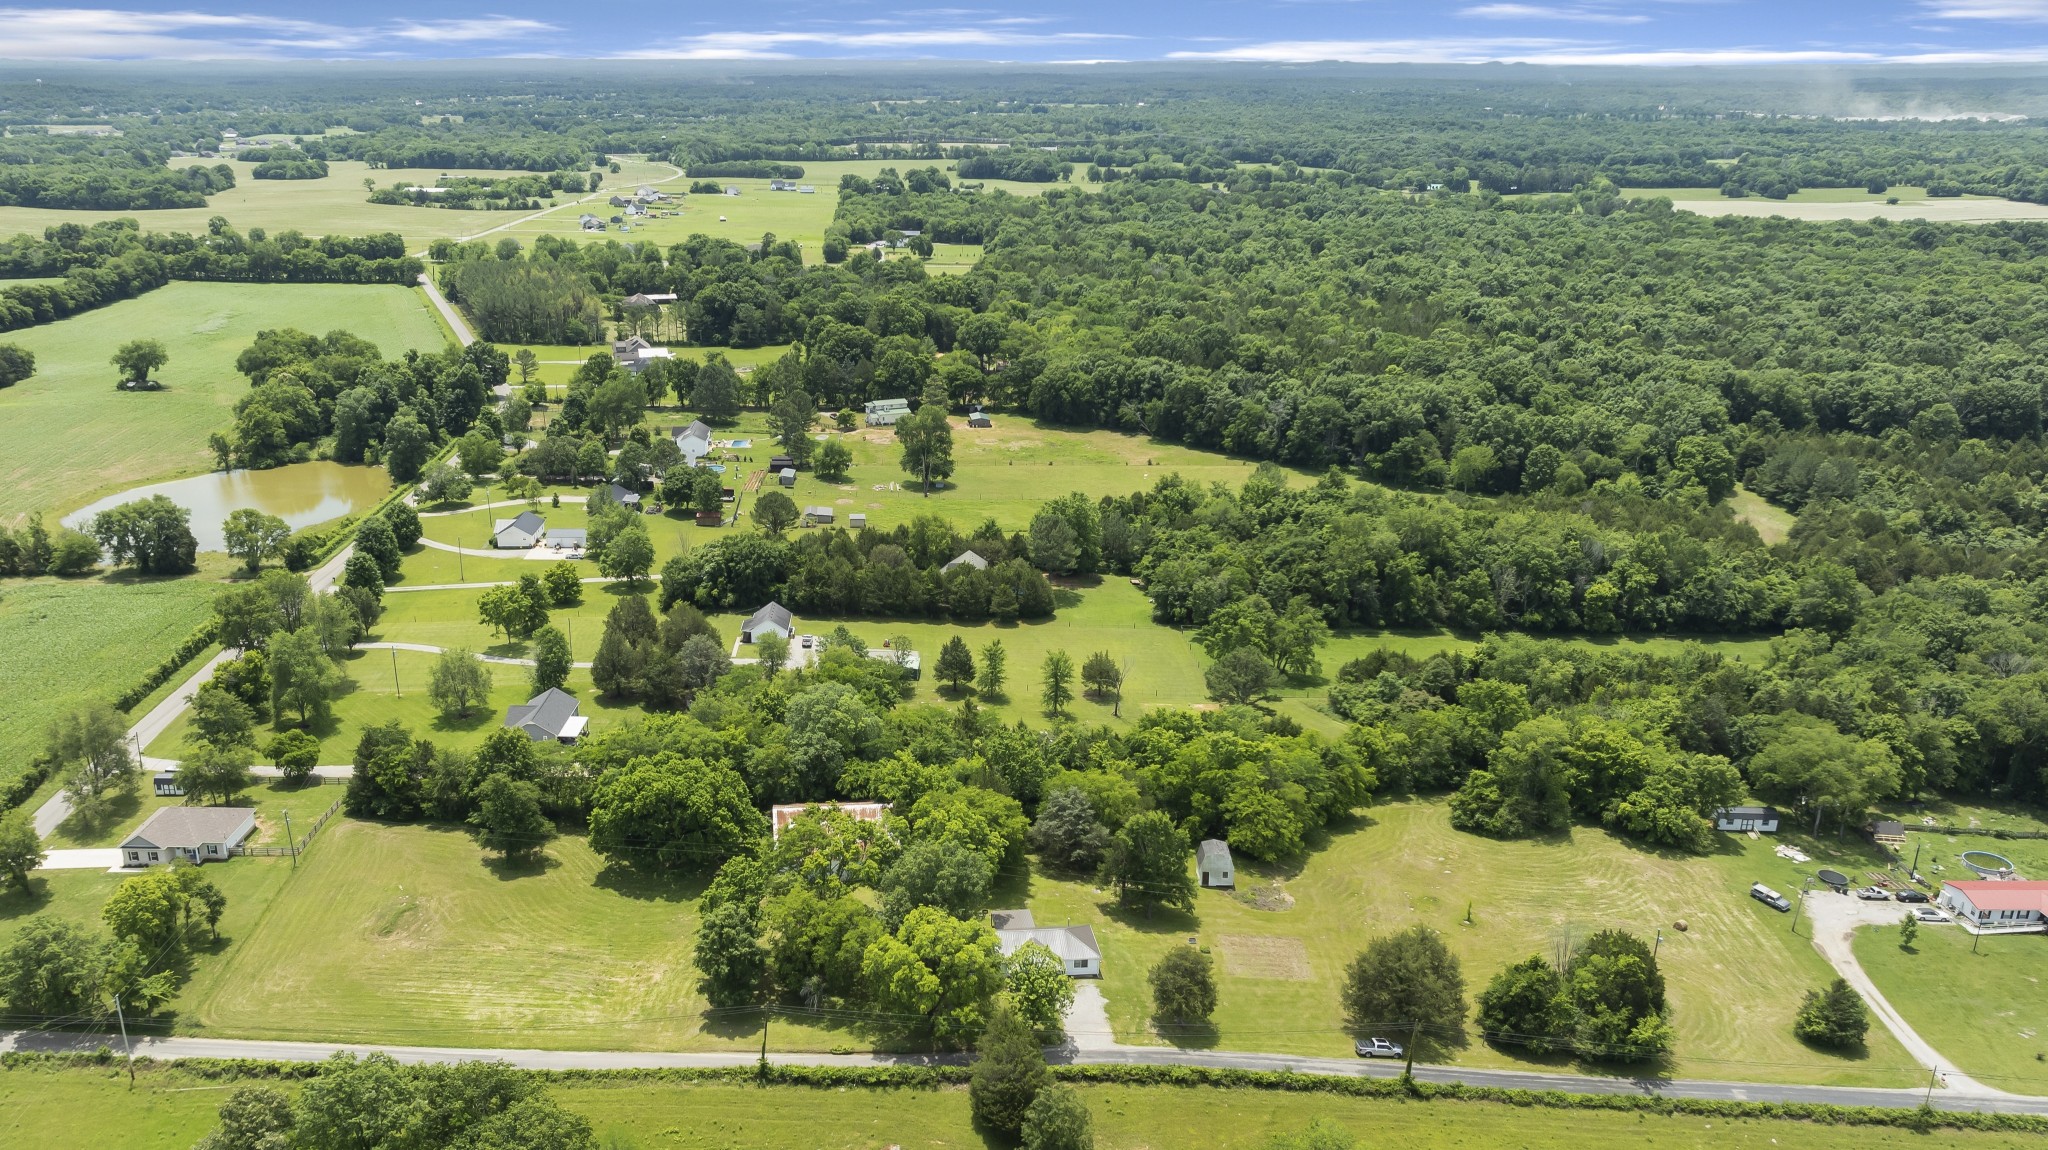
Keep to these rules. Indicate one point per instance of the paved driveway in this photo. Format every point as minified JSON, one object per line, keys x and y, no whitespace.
{"x":91,"y":858}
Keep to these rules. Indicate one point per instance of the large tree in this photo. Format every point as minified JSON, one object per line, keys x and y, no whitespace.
{"x":509,"y":818}
{"x":1406,"y":983}
{"x":664,"y":812}
{"x":1183,"y":987}
{"x":252,"y":536}
{"x":927,"y":442}
{"x":1148,"y":862}
{"x":93,"y":745}
{"x":937,"y":971}
{"x":1833,"y":1017}
{"x":1008,"y":1072}
{"x":458,"y":683}
{"x":138,"y":358}
{"x":21,"y":849}
{"x":153,"y":535}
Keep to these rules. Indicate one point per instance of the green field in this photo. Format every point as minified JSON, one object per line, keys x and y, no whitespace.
{"x":1735,"y":975}
{"x":66,"y":643}
{"x":1772,"y":522}
{"x":1985,"y":1011}
{"x":86,"y":439}
{"x":86,"y":1107}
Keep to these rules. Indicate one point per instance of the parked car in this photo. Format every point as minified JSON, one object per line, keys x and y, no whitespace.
{"x":1911,"y":895}
{"x":1378,"y":1048}
{"x":1769,"y":897}
{"x":1874,"y":894}
{"x":1929,"y":914}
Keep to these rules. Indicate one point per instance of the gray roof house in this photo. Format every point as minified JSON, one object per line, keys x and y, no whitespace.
{"x":550,"y":715}
{"x":966,"y":559}
{"x":519,"y":533}
{"x":1212,"y":862}
{"x":774,"y":619}
{"x":635,"y":353}
{"x":694,"y":442}
{"x":624,"y":496}
{"x":201,"y":834}
{"x":1075,"y":945}
{"x":885,"y":412}
{"x":819,"y":514}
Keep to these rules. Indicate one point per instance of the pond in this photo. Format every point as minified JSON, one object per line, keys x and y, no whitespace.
{"x":301,"y":494}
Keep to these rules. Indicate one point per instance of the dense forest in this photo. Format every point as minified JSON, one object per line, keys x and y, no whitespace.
{"x":40,"y":170}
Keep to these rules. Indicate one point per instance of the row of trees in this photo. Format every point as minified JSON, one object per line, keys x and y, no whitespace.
{"x":59,"y":970}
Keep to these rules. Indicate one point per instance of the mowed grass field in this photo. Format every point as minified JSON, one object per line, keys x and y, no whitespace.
{"x":1847,"y":204}
{"x":1735,"y":975}
{"x":1986,"y":1011}
{"x":67,"y":643}
{"x":86,"y":1107}
{"x":78,"y":438}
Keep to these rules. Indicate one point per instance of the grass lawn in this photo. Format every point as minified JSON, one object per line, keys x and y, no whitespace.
{"x":1985,"y":1010}
{"x":1735,"y":976}
{"x":84,"y":1107}
{"x":1771,"y":521}
{"x":412,"y":934}
{"x":85,"y":439}
{"x":65,"y":643}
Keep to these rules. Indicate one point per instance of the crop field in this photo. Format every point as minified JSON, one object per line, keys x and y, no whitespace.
{"x":87,"y":439}
{"x":67,"y":643}
{"x":84,"y":1107}
{"x":1986,"y":1010}
{"x":1735,"y":975}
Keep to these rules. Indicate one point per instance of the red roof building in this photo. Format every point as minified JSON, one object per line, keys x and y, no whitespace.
{"x":1992,"y":904}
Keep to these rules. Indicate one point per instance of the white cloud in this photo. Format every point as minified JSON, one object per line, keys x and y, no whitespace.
{"x":1461,"y":50}
{"x":1545,"y":12}
{"x":776,"y":45}
{"x":119,"y":34}
{"x":2008,"y":11}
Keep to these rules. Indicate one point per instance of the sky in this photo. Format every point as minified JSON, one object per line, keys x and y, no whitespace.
{"x":1629,"y":32}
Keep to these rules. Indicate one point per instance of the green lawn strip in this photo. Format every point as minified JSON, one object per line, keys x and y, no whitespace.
{"x":70,"y":642}
{"x":1735,"y":975}
{"x":1986,"y":1011}
{"x":74,"y":1106}
{"x":91,"y":440}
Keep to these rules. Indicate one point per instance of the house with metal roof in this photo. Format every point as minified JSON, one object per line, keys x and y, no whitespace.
{"x":1213,"y":864}
{"x":773,"y":619}
{"x":519,"y":533}
{"x":551,"y":716}
{"x":1075,"y":945}
{"x":886,"y":412}
{"x":1997,"y":906}
{"x":965,"y":559}
{"x":200,"y":834}
{"x":1763,"y":820}
{"x":820,"y":515}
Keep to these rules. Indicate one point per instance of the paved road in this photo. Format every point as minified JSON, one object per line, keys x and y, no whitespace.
{"x":146,"y":730}
{"x":456,"y":324}
{"x":175,"y":1048}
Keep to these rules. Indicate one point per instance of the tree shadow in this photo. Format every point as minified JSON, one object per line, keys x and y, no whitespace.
{"x":18,"y":903}
{"x":1160,"y":920}
{"x":90,"y":822}
{"x":650,"y":886}
{"x":1189,"y":1035}
{"x":513,"y":868}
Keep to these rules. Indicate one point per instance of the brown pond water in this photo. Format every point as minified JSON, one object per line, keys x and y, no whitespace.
{"x":301,"y":494}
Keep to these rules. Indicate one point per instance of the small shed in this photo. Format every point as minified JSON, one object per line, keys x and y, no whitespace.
{"x":1212,"y":862}
{"x":773,"y":619}
{"x":787,"y":476}
{"x":857,"y":521}
{"x":820,"y":515}
{"x":1887,"y":833}
{"x":518,"y":533}
{"x":780,"y":462}
{"x":166,"y":784}
{"x":979,"y":419}
{"x":710,"y":519}
{"x":1763,"y":820}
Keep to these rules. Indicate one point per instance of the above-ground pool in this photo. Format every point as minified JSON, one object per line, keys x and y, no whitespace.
{"x":1987,"y":864}
{"x":739,"y":444}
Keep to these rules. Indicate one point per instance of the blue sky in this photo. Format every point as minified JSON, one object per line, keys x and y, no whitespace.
{"x":1667,"y":32}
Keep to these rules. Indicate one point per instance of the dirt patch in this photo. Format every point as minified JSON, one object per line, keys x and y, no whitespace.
{"x":1266,"y":896}
{"x":1264,"y":956}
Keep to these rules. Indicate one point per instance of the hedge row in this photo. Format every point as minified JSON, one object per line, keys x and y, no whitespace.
{"x":199,"y":640}
{"x":1920,"y":1119}
{"x":26,"y":784}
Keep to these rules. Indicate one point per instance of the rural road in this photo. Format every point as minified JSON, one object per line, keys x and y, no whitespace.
{"x":52,"y":814}
{"x":1076,"y":1054}
{"x":425,"y":649}
{"x":456,"y":323}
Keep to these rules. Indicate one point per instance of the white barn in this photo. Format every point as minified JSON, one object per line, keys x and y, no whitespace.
{"x":1212,"y":862}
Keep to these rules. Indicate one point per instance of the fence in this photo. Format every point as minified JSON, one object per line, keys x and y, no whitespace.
{"x":298,"y":848}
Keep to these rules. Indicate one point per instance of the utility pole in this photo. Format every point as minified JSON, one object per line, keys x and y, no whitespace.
{"x":289,"y":843}
{"x":1414,"y":1034}
{"x":1932,"y":1074}
{"x":1796,"y":904}
{"x":767,"y":1013}
{"x":1658,"y":945}
{"x":125,"y":1046}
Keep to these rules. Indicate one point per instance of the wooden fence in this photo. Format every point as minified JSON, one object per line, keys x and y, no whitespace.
{"x":298,"y":848}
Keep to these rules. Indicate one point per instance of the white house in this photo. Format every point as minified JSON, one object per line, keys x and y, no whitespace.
{"x":1074,"y":944}
{"x":774,"y":619}
{"x":201,"y":834}
{"x":885,"y":412}
{"x":549,"y":716}
{"x":520,"y":533}
{"x":1212,"y":862}
{"x":694,"y":442}
{"x":1761,"y":819}
{"x":635,"y":353}
{"x":1998,"y":906}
